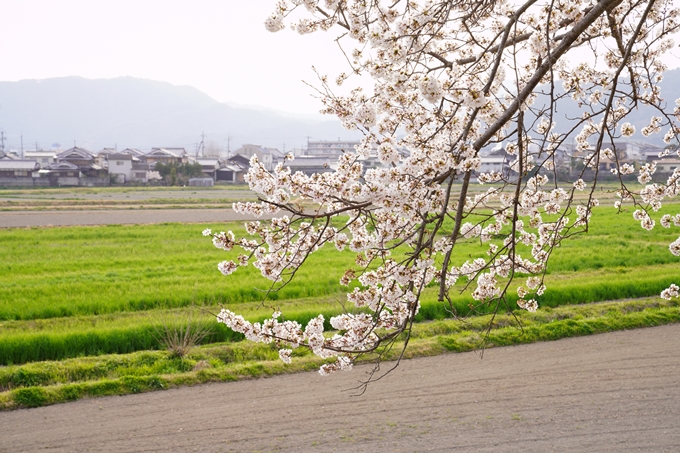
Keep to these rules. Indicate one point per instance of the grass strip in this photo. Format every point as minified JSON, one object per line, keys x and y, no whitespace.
{"x":119,"y":333}
{"x":63,"y":338}
{"x":44,"y":383}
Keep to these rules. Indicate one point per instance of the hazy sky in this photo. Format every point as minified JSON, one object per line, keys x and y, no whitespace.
{"x":217,"y":46}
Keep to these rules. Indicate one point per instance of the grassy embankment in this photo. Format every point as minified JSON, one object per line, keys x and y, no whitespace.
{"x":42,"y":383}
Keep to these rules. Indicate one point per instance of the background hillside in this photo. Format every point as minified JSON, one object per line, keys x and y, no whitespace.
{"x":670,"y":91}
{"x":131,"y":112}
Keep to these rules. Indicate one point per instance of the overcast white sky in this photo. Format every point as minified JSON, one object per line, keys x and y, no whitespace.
{"x":217,"y":46}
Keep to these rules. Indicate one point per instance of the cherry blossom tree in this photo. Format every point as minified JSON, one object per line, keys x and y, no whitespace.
{"x":452,"y":78}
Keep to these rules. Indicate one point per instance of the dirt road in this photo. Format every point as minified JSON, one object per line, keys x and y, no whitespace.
{"x":617,"y":392}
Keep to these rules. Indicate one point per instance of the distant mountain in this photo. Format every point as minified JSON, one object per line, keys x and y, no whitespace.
{"x":131,"y":112}
{"x":670,"y":91}
{"x":138,"y":113}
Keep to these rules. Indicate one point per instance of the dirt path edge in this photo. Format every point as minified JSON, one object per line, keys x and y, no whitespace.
{"x":612,"y":392}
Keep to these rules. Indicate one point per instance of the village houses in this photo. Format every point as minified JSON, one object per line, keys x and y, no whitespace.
{"x":78,"y":166}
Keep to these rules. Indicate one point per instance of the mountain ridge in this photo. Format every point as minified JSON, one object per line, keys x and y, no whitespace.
{"x":141,"y":113}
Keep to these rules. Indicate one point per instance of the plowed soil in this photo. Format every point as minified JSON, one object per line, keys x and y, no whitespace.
{"x":616,"y":392}
{"x":17,"y":219}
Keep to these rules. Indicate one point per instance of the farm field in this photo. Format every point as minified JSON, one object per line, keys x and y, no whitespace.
{"x":39,"y":218}
{"x":70,"y":297}
{"x":121,"y":197}
{"x":119,"y":205}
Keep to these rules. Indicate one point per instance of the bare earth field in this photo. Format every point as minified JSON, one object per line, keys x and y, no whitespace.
{"x":81,"y":207}
{"x":141,"y":195}
{"x":616,"y":392}
{"x":18,"y":219}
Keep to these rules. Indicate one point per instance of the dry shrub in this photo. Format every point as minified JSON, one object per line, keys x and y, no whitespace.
{"x":201,"y":365}
{"x":181,"y":334}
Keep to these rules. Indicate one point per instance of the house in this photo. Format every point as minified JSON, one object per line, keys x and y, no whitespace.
{"x":139,"y":172}
{"x":234,"y":169}
{"x":310,"y":165}
{"x":649,"y":152}
{"x":493,"y":163}
{"x":15,"y":172}
{"x":120,"y":167}
{"x":62,"y":173}
{"x":101,"y":157}
{"x":107,"y":151}
{"x":277,"y":156}
{"x":166,"y":156}
{"x":632,"y":152}
{"x":371,"y":162}
{"x":667,"y":165}
{"x":231,"y":173}
{"x":84,"y":160}
{"x":269,"y":157}
{"x":330,"y":149}
{"x":209,"y":166}
{"x":44,"y":158}
{"x":240,"y":161}
{"x":623,"y":156}
{"x":133,"y":152}
{"x":77,"y":156}
{"x":9,"y":155}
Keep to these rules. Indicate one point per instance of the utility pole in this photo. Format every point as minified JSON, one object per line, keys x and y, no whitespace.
{"x":22,"y":145}
{"x":307,"y":151}
{"x":201,"y":146}
{"x":228,"y":146}
{"x":2,"y":141}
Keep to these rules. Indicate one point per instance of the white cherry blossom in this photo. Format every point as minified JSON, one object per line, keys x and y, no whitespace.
{"x":451,"y":80}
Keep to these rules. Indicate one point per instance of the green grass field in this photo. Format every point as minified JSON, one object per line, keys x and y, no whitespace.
{"x":74,"y":295}
{"x":110,"y":269}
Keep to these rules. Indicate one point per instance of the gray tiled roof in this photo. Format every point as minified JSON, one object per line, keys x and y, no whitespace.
{"x":30,"y":165}
{"x":176,"y":152}
{"x":63,"y":165}
{"x":119,"y":156}
{"x":76,"y":150}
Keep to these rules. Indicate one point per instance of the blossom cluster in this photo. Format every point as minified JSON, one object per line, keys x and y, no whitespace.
{"x":451,"y":79}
